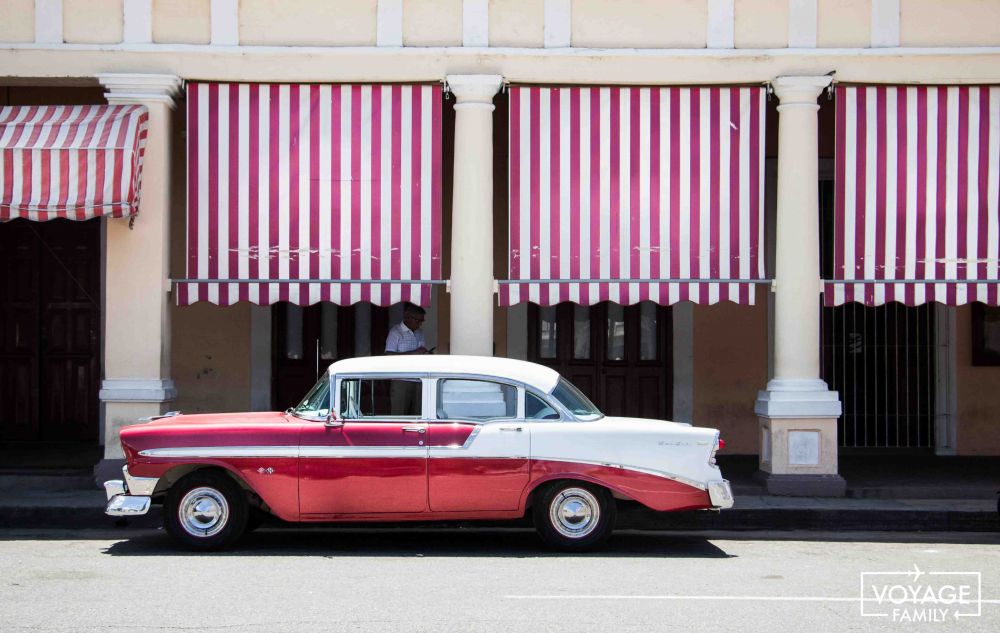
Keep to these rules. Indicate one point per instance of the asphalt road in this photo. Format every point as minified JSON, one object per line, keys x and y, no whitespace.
{"x":487,"y":580}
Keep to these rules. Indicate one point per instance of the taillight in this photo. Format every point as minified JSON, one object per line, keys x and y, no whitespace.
{"x":719,"y":445}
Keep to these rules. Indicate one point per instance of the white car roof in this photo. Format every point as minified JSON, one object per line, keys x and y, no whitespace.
{"x":538,"y":376}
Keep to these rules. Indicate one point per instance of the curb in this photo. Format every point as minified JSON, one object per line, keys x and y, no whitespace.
{"x":630,"y":517}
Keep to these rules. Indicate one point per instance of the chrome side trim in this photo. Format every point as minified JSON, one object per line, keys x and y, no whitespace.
{"x":447,"y":456}
{"x":139,"y":486}
{"x":342,"y":452}
{"x":647,"y":471}
{"x":362,"y":452}
{"x":283,"y":451}
{"x":223,"y":451}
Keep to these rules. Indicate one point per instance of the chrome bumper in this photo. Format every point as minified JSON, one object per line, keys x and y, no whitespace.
{"x":131,"y":497}
{"x":720,"y":494}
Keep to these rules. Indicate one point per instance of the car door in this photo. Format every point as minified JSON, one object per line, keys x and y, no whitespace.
{"x":478,"y":446}
{"x":369,"y":461}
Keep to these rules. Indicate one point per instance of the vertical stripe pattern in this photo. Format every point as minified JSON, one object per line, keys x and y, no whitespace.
{"x":312,"y":192}
{"x":916,"y":195}
{"x":633,"y":194}
{"x":75,"y":162}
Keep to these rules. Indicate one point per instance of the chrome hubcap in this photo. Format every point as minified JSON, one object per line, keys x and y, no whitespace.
{"x":203,"y":512}
{"x":575,"y":512}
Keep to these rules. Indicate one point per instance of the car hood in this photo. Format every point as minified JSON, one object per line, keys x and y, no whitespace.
{"x":198,"y":419}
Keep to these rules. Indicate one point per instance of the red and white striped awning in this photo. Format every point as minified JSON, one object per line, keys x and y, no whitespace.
{"x":917,"y":215}
{"x":75,"y":162}
{"x":308,"y":193}
{"x":633,"y":194}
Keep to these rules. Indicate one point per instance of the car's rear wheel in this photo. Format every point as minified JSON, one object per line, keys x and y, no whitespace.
{"x":205,"y":510}
{"x":574,"y":516}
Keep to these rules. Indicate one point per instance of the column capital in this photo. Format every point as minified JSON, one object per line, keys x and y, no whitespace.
{"x":800,"y":90}
{"x":474,"y":90}
{"x":136,"y":88}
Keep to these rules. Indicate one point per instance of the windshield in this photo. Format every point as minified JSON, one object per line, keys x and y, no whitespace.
{"x":316,"y":404}
{"x":575,"y":402}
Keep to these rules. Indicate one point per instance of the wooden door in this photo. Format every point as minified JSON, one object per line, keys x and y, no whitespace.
{"x":619,"y":356}
{"x":50,"y":322}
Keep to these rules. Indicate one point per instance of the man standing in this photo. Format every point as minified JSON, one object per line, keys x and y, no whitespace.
{"x":406,"y":338}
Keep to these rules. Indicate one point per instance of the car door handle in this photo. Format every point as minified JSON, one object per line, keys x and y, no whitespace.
{"x":414,"y":429}
{"x":510,"y":428}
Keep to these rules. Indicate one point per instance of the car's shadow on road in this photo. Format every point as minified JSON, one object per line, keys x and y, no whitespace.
{"x":508,"y":543}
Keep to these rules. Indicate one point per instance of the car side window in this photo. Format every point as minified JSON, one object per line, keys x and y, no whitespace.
{"x":537,"y":409}
{"x":475,"y":399}
{"x":362,"y":398}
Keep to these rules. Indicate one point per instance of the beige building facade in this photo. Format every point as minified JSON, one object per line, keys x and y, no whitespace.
{"x":773,"y":376}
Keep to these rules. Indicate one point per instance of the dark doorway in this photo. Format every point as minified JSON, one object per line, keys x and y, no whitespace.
{"x":50,"y":319}
{"x":308,"y":339}
{"x":620,"y":356}
{"x":881,"y":359}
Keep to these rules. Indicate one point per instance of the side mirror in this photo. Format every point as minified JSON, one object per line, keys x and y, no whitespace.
{"x":332,"y":422}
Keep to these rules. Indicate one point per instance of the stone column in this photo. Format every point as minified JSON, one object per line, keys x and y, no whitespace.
{"x":798,"y":413}
{"x":472,"y":215}
{"x":137,"y":279}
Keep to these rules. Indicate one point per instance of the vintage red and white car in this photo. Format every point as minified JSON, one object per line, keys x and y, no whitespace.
{"x":417,"y":438}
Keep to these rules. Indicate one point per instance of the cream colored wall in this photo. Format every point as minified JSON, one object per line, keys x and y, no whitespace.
{"x":520,"y":23}
{"x":640,"y":23}
{"x":730,"y":367}
{"x":17,"y":20}
{"x":843,"y":23}
{"x":951,"y":23}
{"x":978,"y":423}
{"x":92,"y":21}
{"x":760,"y":23}
{"x":517,"y":23}
{"x":308,"y":22}
{"x":211,"y":357}
{"x":182,"y":21}
{"x":432,"y":23}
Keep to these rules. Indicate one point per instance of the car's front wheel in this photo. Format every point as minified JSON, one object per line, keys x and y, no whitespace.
{"x":205,"y":510}
{"x":574,"y":516}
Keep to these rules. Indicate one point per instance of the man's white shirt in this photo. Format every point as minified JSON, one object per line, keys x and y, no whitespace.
{"x":403,"y":339}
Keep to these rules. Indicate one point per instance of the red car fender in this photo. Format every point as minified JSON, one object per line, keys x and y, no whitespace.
{"x":653,"y":491}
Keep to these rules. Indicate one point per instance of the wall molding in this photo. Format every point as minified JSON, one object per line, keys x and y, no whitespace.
{"x":77,"y":64}
{"x":558,"y":27}
{"x":225,"y":26}
{"x":802,"y":23}
{"x":137,"y":390}
{"x":721,"y":24}
{"x":885,"y":23}
{"x":475,"y":22}
{"x":137,"y":21}
{"x":48,"y":21}
{"x":389,"y":23}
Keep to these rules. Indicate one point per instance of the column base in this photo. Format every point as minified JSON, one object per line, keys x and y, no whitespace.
{"x":801,"y":485}
{"x":798,"y":439}
{"x":125,"y":403}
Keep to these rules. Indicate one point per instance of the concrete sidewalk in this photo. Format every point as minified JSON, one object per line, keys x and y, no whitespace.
{"x":63,"y":501}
